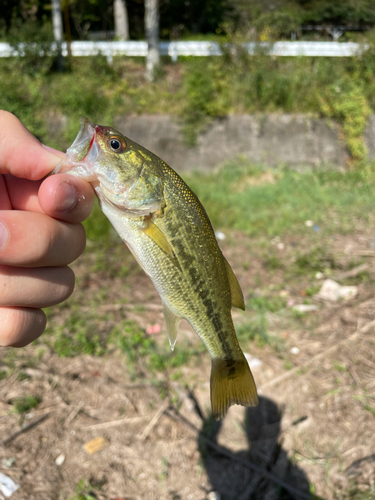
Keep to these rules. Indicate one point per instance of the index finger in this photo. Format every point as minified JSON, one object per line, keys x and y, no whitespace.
{"x":21,"y":154}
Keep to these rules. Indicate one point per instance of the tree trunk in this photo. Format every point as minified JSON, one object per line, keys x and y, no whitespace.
{"x":58,"y":31}
{"x":152,"y":37}
{"x":121,"y":20}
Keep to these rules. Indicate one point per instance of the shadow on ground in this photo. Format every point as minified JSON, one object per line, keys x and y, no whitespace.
{"x":229,"y":472}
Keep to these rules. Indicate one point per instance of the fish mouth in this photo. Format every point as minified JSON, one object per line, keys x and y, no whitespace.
{"x":83,"y":153}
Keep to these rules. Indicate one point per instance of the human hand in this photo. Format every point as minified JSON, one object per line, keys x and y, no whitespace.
{"x":40,"y":231}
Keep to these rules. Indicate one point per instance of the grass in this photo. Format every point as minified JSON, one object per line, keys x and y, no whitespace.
{"x":26,"y":403}
{"x":334,"y":200}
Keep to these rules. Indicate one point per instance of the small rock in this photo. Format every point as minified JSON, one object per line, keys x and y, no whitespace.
{"x":332,"y":291}
{"x":280,"y":246}
{"x":60,"y":459}
{"x":302,"y":308}
{"x":319,"y":275}
{"x":294,"y":350}
{"x":309,"y":223}
{"x":348,"y":292}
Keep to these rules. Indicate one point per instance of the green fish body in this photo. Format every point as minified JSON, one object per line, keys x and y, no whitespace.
{"x":169,"y":233}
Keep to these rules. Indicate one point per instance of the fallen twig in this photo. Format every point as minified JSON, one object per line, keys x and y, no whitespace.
{"x":154,"y":421}
{"x":223,"y":451}
{"x":319,"y":356}
{"x":26,"y":428}
{"x":352,"y":273}
{"x":114,"y":423}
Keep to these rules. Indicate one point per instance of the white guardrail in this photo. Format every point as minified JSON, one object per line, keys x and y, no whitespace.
{"x":176,"y":49}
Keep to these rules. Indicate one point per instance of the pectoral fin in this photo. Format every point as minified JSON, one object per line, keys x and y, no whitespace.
{"x":172,"y":321}
{"x":158,"y":237}
{"x":235,"y":289}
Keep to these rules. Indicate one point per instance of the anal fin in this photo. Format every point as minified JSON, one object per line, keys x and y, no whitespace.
{"x":172,"y":321}
{"x":235,"y":289}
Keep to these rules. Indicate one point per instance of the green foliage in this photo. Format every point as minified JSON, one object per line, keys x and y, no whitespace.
{"x":198,"y":90}
{"x":32,"y":40}
{"x":84,"y":491}
{"x":77,"y":335}
{"x":132,"y":341}
{"x":97,"y":226}
{"x":315,"y":260}
{"x":255,"y":331}
{"x":26,"y":403}
{"x":203,"y":89}
{"x":346,"y":102}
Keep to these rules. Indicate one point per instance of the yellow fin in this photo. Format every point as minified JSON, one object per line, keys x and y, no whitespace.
{"x":235,"y":289}
{"x":172,"y":321}
{"x":158,"y":237}
{"x":231,"y":383}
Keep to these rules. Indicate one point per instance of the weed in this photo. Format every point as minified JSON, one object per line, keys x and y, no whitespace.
{"x":84,"y":491}
{"x":312,"y":290}
{"x":77,"y":335}
{"x":339,"y":367}
{"x":316,"y":260}
{"x":22,"y":376}
{"x":272,"y":263}
{"x":365,"y":400}
{"x":3,"y":375}
{"x":131,"y":340}
{"x":26,"y":403}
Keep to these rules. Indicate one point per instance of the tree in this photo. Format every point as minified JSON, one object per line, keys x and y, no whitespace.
{"x":152,"y":37}
{"x":121,"y":20}
{"x":58,"y":31}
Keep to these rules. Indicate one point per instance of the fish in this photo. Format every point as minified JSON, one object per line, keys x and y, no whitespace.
{"x":168,"y":231}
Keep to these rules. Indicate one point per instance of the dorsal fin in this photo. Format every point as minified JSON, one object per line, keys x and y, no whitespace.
{"x":158,"y":237}
{"x":172,"y":321}
{"x":235,"y":289}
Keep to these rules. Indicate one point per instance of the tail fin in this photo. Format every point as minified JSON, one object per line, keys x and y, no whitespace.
{"x":231,"y":383}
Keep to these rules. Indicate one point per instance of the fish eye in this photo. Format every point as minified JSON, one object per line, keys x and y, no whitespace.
{"x":116,"y":144}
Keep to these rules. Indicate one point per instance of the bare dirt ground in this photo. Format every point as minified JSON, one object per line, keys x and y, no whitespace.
{"x":313,"y":431}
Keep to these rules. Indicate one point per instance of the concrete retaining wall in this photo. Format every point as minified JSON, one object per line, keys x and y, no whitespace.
{"x":296,"y":140}
{"x":273,"y":139}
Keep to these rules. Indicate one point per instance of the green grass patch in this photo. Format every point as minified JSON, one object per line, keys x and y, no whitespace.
{"x":333,"y":200}
{"x":26,"y":403}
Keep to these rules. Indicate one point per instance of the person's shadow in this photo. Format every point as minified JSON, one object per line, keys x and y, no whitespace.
{"x":230,"y":473}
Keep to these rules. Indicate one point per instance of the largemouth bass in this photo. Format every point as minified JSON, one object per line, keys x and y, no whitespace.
{"x":168,"y":231}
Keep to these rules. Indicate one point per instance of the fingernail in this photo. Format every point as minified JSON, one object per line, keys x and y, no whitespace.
{"x":4,"y":236}
{"x":66,"y":197}
{"x":55,"y":152}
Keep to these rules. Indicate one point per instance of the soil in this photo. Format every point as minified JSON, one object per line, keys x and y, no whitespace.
{"x":313,"y":429}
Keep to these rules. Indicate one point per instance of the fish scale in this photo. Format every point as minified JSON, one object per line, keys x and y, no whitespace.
{"x":169,"y":233}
